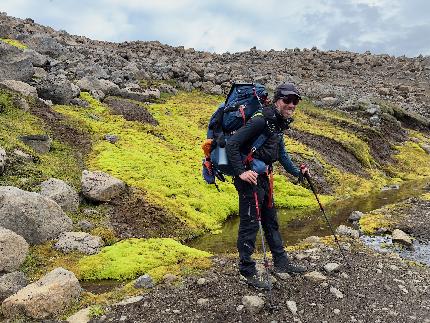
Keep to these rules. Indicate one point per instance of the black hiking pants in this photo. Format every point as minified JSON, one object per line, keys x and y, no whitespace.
{"x":249,"y":226}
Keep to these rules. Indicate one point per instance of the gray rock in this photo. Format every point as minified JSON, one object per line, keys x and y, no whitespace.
{"x":56,"y":88}
{"x":111,"y":138}
{"x":401,"y":237}
{"x":254,"y":304}
{"x":79,"y":102}
{"x":102,"y":187}
{"x":82,"y":316}
{"x":45,"y":44}
{"x":34,"y":217}
{"x":49,"y":296}
{"x":85,"y":225}
{"x":20,"y":87}
{"x":40,"y":143}
{"x":312,"y":239}
{"x":373,"y":109}
{"x":426,"y":148}
{"x":79,"y":241}
{"x":203,"y":301}
{"x":62,"y":193}
{"x":14,"y":65}
{"x":201,"y":281}
{"x":315,"y":276}
{"x":374,"y":120}
{"x":11,"y":283}
{"x":90,"y":84}
{"x":330,"y":101}
{"x":141,"y":95}
{"x":128,"y":301}
{"x":13,"y":250}
{"x":355,"y":216}
{"x":40,"y":73}
{"x":37,"y":59}
{"x":3,"y":158}
{"x":343,"y":230}
{"x":144,"y":281}
{"x":23,"y":156}
{"x":331,"y":267}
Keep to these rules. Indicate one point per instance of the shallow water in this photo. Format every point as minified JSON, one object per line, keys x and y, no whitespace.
{"x":296,"y":225}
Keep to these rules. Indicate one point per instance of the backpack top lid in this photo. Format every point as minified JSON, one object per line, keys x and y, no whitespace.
{"x":245,"y":94}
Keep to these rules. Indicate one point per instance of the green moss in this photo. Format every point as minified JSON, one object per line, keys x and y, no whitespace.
{"x":412,"y":162}
{"x":371,"y":222}
{"x":334,"y":126}
{"x":130,"y":258}
{"x":14,"y":42}
{"x":425,"y":196}
{"x":59,"y":162}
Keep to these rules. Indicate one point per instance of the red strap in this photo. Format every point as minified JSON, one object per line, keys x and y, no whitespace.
{"x":270,"y":199}
{"x":257,"y":208}
{"x":242,"y":113}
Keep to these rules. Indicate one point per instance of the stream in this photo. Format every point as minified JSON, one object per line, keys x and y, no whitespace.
{"x":296,"y":225}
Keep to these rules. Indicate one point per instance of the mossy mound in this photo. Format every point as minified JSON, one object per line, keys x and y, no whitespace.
{"x":130,"y":258}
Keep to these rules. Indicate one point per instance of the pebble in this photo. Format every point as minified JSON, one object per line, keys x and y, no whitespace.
{"x":403,"y":289}
{"x":201,"y":281}
{"x":283,"y":276}
{"x":336,"y":311}
{"x":202,"y":301}
{"x":239,"y":308}
{"x":176,"y":311}
{"x":331,"y":267}
{"x":315,"y":276}
{"x":292,"y":306}
{"x":254,"y":304}
{"x":336,"y":292}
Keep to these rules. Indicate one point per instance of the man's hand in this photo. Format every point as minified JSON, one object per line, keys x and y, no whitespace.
{"x":305,"y":170}
{"x":249,"y":176}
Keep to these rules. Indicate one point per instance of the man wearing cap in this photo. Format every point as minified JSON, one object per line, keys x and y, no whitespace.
{"x":256,"y":189}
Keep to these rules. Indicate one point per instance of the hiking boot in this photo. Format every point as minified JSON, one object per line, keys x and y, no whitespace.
{"x":258,"y":282}
{"x":289,"y":268}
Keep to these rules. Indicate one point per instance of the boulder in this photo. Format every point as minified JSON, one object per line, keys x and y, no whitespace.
{"x":45,"y":44}
{"x":401,"y":237}
{"x":40,"y":143}
{"x":37,"y":59}
{"x":13,"y":250}
{"x":139,"y":95}
{"x":79,"y":241}
{"x":101,"y":187}
{"x":3,"y":157}
{"x":331,"y":267}
{"x":14,"y":65}
{"x":35,"y":217}
{"x":355,"y":216}
{"x":90,"y":84}
{"x":144,"y":281}
{"x":62,"y":193}
{"x":57,"y":88}
{"x":11,"y":283}
{"x":20,"y":87}
{"x":47,"y":297}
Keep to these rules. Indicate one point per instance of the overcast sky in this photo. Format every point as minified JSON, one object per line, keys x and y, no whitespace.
{"x":394,"y":27}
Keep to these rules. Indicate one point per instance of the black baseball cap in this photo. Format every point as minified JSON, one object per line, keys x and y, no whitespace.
{"x":286,"y":89}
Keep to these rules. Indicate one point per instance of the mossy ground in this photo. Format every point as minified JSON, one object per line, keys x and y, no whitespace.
{"x":14,"y":42}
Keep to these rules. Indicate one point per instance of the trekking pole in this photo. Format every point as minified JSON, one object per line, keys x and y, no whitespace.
{"x":308,"y":178}
{"x":265,"y":260}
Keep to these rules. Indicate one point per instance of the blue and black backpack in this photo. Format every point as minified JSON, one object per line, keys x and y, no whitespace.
{"x":243,"y":101}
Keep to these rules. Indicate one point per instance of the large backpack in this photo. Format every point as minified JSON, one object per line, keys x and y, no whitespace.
{"x":243,"y":101}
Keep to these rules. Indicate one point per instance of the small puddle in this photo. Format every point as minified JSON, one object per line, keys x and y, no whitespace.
{"x":296,"y":225}
{"x":101,"y":286}
{"x":420,"y":251}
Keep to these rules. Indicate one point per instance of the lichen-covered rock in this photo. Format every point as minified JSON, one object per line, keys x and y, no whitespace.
{"x":14,"y":65}
{"x":49,"y":296}
{"x":40,"y":143}
{"x":34,"y":217}
{"x":62,"y":193}
{"x":79,"y":241}
{"x":102,"y":187}
{"x":13,"y":250}
{"x":11,"y":283}
{"x":20,"y":87}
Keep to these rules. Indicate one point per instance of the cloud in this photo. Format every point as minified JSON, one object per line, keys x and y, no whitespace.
{"x":381,"y":26}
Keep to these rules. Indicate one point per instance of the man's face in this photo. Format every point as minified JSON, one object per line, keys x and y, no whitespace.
{"x":287,"y":105}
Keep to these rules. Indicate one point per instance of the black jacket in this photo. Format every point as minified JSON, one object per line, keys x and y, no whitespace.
{"x":273,"y":149}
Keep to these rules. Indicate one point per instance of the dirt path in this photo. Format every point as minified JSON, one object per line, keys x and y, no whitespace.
{"x":377,"y":288}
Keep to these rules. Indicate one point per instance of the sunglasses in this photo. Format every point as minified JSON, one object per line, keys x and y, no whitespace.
{"x":291,"y":99}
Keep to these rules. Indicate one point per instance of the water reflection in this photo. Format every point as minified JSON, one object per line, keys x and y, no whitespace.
{"x":296,"y":225}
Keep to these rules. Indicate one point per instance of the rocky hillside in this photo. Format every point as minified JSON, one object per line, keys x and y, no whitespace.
{"x":100,"y":162}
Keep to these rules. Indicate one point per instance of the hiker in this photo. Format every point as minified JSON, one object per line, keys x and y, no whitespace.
{"x":272,"y":121}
